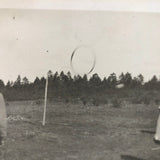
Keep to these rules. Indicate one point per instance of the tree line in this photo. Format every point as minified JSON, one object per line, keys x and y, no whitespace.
{"x":63,"y":85}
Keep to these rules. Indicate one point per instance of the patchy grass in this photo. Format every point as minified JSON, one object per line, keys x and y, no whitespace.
{"x":73,"y":132}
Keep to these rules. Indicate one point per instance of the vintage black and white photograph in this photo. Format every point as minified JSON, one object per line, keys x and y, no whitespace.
{"x":80,"y":80}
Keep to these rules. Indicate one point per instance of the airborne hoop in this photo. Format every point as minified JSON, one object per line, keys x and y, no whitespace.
{"x":74,"y":53}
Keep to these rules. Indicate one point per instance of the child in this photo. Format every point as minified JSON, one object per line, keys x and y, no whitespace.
{"x":3,"y":120}
{"x":157,"y":134}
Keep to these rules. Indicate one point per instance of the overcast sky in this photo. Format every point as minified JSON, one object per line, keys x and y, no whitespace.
{"x":35,"y":41}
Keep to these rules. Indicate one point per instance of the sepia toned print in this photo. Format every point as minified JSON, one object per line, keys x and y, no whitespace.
{"x":79,"y":84}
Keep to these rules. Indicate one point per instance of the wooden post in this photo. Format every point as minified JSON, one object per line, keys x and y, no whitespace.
{"x":45,"y":102}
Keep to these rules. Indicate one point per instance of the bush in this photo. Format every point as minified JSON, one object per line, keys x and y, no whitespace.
{"x":37,"y":102}
{"x":116,"y":103}
{"x":66,"y":101}
{"x":157,"y":101}
{"x":95,"y":102}
{"x":98,"y":100}
{"x":146,"y":100}
{"x":83,"y":100}
{"x":103,"y":101}
{"x":136,"y":101}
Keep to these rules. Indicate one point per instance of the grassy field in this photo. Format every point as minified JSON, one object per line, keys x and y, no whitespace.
{"x":77,"y":132}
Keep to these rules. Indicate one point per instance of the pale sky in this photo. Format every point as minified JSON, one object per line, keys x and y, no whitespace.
{"x":35,"y":41}
{"x":112,"y":5}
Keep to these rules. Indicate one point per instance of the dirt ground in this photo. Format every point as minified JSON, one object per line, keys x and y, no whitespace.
{"x":75,"y":132}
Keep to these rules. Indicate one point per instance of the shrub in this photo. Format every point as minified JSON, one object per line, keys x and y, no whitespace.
{"x":146,"y":100}
{"x":66,"y":101}
{"x":103,"y":100}
{"x":116,"y":103}
{"x":157,"y":101}
{"x":136,"y":101}
{"x":83,"y":100}
{"x":38,"y":102}
{"x":95,"y":102}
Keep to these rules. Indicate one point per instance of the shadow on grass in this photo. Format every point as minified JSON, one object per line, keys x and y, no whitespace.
{"x":148,"y":131}
{"x":128,"y":157}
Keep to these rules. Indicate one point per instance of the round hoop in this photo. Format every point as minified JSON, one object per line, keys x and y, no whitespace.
{"x":72,"y":57}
